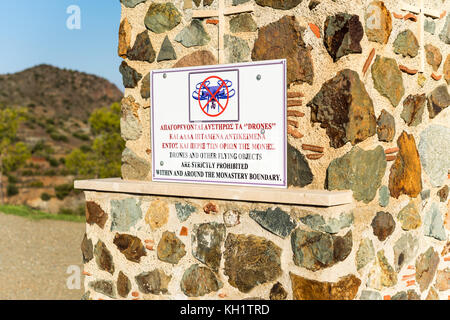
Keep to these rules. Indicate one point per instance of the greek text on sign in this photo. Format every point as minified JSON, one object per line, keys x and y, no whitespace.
{"x":223,"y":124}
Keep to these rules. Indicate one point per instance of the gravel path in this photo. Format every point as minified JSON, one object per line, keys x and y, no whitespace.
{"x":35,"y":256}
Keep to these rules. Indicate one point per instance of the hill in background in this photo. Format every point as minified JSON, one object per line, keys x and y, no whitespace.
{"x":59,"y":103}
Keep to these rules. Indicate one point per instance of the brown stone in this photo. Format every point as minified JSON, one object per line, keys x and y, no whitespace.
{"x":406,"y":172}
{"x":251,"y":261}
{"x":443,"y":193}
{"x":413,"y":108}
{"x":95,"y":214}
{"x":434,"y":56}
{"x":197,"y":58}
{"x":277,"y":292}
{"x":432,"y":294}
{"x":409,"y":217}
{"x":124,"y":38}
{"x":210,"y":208}
{"x":170,"y":248}
{"x":343,"y":33}
{"x":157,"y":214}
{"x":383,"y":225}
{"x":103,"y":257}
{"x":142,"y":49}
{"x":198,"y":281}
{"x":344,"y":108}
{"x":154,"y":282}
{"x":443,"y":280}
{"x":123,"y":285}
{"x":378,"y":22}
{"x":385,"y":126}
{"x":447,"y":69}
{"x":279,"y":4}
{"x":130,"y":246}
{"x":438,"y":100}
{"x":283,"y":40}
{"x":426,"y":266}
{"x":306,"y":289}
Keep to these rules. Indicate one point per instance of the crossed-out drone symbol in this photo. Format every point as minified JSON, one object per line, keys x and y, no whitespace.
{"x":213,"y":94}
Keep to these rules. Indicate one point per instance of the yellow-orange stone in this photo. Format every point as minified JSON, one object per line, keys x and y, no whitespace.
{"x":306,"y":289}
{"x":405,"y":176}
{"x":157,"y":214}
{"x":124,"y":38}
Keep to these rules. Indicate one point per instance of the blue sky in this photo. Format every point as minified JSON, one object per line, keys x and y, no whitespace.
{"x":34,"y":32}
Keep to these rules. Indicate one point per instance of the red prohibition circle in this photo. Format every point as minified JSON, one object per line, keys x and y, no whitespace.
{"x":213,"y":96}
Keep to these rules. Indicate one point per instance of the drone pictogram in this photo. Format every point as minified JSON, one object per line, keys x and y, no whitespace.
{"x":212,"y":94}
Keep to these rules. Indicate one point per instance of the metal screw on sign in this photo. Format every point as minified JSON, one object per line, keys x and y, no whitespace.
{"x":161,"y":163}
{"x":258,"y":77}
{"x":263,"y":131}
{"x":165,"y":75}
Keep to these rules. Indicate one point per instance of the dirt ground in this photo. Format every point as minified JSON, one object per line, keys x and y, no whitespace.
{"x":35,"y":257}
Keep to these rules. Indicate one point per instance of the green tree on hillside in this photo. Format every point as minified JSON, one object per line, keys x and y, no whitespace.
{"x":13,"y":153}
{"x":103,"y":160}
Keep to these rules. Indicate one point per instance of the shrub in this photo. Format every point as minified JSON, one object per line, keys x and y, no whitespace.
{"x":12,"y":190}
{"x":36,"y":184}
{"x":53,"y":162}
{"x":79,"y":211}
{"x":63,"y":190}
{"x":45,"y":196}
{"x":12,"y":179}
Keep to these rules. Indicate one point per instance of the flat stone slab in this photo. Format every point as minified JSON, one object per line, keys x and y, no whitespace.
{"x":296,"y":196}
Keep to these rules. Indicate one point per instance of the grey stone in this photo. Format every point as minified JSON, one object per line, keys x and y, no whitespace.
{"x":385,"y":126}
{"x":430,"y":26}
{"x":130,"y":124}
{"x":365,"y":253}
{"x":275,"y":220}
{"x":425,"y":194}
{"x":167,"y":52}
{"x":142,"y":49}
{"x":388,"y":79}
{"x":154,"y":282}
{"x":433,"y":224}
{"x":243,"y":23}
{"x":438,"y":100}
{"x":184,"y":210}
{"x":426,"y":266}
{"x":445,"y":33}
{"x":162,"y":17}
{"x":237,"y":2}
{"x":406,"y":44}
{"x":236,"y":49}
{"x":405,"y":249}
{"x":125,"y":214}
{"x":134,"y":167}
{"x":434,"y":156}
{"x":279,"y":4}
{"x":383,"y":196}
{"x":198,"y":281}
{"x":104,"y":287}
{"x":207,"y":240}
{"x":193,"y":35}
{"x":131,"y":3}
{"x":403,"y":295}
{"x":358,"y":170}
{"x":145,"y":87}
{"x":231,"y":218}
{"x":370,"y":295}
{"x":330,"y":225}
{"x":87,"y":249}
{"x":317,"y":250}
{"x":409,"y":217}
{"x":130,"y":77}
{"x":298,"y":170}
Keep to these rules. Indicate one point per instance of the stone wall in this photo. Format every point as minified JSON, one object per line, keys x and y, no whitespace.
{"x":361,"y":116}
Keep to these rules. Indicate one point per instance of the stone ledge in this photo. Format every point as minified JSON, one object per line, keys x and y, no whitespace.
{"x":322,"y":198}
